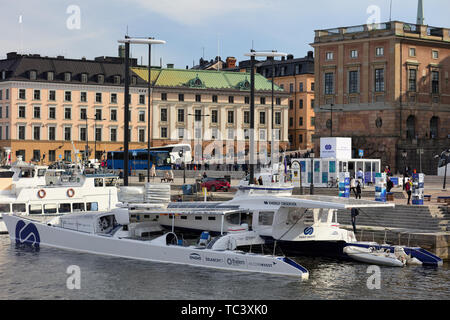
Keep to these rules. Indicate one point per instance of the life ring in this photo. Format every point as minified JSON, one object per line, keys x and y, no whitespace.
{"x":41,"y":193}
{"x":70,"y":192}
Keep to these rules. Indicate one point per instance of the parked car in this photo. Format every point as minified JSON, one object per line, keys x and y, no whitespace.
{"x":215,"y":184}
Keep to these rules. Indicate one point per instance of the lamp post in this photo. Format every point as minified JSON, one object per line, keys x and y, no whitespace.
{"x":311,"y":185}
{"x":252,"y":54}
{"x":331,"y":116}
{"x":127,"y":41}
{"x":445,"y":157}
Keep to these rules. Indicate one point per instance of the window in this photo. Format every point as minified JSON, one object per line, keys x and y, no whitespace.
{"x":313,"y":121}
{"x":230,"y":116}
{"x":435,"y":81}
{"x":198,"y":98}
{"x":412,"y":80}
{"x":312,"y":86}
{"x":435,"y":54}
{"x":52,"y":113}
{"x":214,"y":116}
{"x":291,"y":122}
{"x":6,"y":111}
{"x":52,"y":95}
{"x":98,"y":114}
{"x":163,"y":114}
{"x":98,"y":134}
{"x":379,"y":51}
{"x":312,"y":103}
{"x":21,"y":133}
{"x":37,"y":133}
{"x":278,"y":101}
{"x":180,"y":115}
{"x":37,"y":95}
{"x":301,"y":103}
{"x":278,"y":118}
{"x":198,"y":115}
{"x":214,"y":98}
{"x":412,"y":52}
{"x":164,"y":96}
{"x":379,"y":80}
{"x":246,"y":116}
{"x":51,"y":155}
{"x":291,"y":87}
{"x":180,"y":133}
{"x":141,"y":135}
{"x":246,"y":136}
{"x":83,"y":96}
{"x":83,"y":114}
{"x":67,"y":133}
{"x":354,"y":53}
{"x":113,"y":134}
{"x":67,"y":96}
{"x":1,"y":112}
{"x":329,"y":83}
{"x":163,"y":132}
{"x":1,"y":94}
{"x":142,"y":99}
{"x":33,"y":75}
{"x":67,"y":113}
{"x":22,"y":112}
{"x":230,"y":99}
{"x":141,"y":116}
{"x":230,"y":134}
{"x":100,"y":78}
{"x":52,"y":133}
{"x":37,"y":112}
{"x":300,"y":121}
{"x":214,"y":133}
{"x":300,"y":138}
{"x":84,"y":77}
{"x":262,"y":134}
{"x":263,"y":100}
{"x":353,"y":82}
{"x":22,"y":94}
{"x":82,"y":134}
{"x":113,"y":97}
{"x":329,"y":55}
{"x":180,"y":97}
{"x":67,"y":76}
{"x":50,"y":76}
{"x":7,"y":94}
{"x":113,"y":114}
{"x":98,"y":97}
{"x":6,"y":132}
{"x":116,"y":79}
{"x":67,"y":156}
{"x":301,"y":87}
{"x":262,"y":117}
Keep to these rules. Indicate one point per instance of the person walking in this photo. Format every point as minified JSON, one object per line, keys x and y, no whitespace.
{"x":389,"y":185}
{"x":353,"y":185}
{"x":153,"y":171}
{"x":408,"y":190}
{"x":358,"y":190}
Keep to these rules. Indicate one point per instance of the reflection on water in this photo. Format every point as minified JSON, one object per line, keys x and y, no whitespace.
{"x":27,"y":274}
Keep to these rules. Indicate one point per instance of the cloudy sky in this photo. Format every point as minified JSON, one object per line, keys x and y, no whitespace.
{"x":190,"y":27}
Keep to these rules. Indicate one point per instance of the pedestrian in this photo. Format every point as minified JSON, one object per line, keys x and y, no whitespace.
{"x":360,"y":175}
{"x":260,"y":181}
{"x":353,"y":185}
{"x":204,"y":175}
{"x":408,"y":189}
{"x":358,"y":190}
{"x":354,"y":213}
{"x":180,"y":199}
{"x":389,"y":185}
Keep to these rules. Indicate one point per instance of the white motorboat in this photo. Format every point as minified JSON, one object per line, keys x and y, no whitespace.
{"x":373,"y":256}
{"x":306,"y":225}
{"x":88,"y":193}
{"x":110,"y":233}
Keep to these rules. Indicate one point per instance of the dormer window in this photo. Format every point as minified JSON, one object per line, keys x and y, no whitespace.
{"x":134,"y":80}
{"x":67,"y":76}
{"x":100,"y":78}
{"x":50,"y":75}
{"x":84,"y":77}
{"x":116,"y":79}
{"x":32,"y":74}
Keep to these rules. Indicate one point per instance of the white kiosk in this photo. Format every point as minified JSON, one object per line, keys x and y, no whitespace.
{"x":335,"y":157}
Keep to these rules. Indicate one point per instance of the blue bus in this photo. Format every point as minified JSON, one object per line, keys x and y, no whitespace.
{"x":138,"y":159}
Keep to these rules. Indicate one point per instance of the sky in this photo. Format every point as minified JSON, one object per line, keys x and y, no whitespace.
{"x":191,"y":28}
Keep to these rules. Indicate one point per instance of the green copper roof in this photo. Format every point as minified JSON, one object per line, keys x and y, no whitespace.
{"x":204,"y":79}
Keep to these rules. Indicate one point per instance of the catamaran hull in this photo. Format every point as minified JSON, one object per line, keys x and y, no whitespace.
{"x":26,"y":231}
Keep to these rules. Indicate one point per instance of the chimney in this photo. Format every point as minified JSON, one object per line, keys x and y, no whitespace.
{"x":290,"y":57}
{"x":231,"y":62}
{"x":11,"y":55}
{"x":310,"y":55}
{"x":420,"y":17}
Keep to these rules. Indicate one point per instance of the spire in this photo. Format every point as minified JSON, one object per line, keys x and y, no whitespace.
{"x":420,"y":17}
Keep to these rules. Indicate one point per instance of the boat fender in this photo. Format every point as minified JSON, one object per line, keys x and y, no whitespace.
{"x":41,"y":193}
{"x":70,"y":192}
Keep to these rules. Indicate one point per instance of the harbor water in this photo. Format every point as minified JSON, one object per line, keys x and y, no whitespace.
{"x":45,"y":274}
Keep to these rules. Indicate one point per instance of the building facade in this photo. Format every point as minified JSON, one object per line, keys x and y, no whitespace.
{"x":50,"y":107}
{"x":386,"y":86}
{"x":296,"y":77}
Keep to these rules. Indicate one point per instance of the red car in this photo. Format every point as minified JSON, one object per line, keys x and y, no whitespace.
{"x":215,"y":184}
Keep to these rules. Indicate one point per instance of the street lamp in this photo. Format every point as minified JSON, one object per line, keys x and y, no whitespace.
{"x":253,"y":54}
{"x":331,"y":116}
{"x":404,"y":155}
{"x":127,"y":41}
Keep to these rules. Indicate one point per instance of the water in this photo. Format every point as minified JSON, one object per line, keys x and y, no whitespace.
{"x":29,"y":274}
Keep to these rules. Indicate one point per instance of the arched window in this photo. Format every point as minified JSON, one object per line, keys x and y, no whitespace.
{"x":411,"y":127}
{"x":434,"y":127}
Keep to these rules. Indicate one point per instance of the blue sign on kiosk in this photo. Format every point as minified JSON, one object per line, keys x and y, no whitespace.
{"x":361,"y":153}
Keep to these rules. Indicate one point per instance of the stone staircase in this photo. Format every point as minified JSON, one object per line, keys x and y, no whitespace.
{"x":413,"y":218}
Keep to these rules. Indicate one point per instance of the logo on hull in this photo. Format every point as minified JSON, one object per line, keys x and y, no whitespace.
{"x":195,"y":256}
{"x":308,"y":231}
{"x":27,"y":234}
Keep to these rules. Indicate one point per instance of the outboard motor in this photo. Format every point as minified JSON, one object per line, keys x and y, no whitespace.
{"x":204,"y":238}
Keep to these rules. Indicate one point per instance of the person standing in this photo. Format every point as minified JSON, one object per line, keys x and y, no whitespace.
{"x":390,"y":185}
{"x":358,"y":190}
{"x":408,"y":190}
{"x":353,"y":185}
{"x":360,"y":175}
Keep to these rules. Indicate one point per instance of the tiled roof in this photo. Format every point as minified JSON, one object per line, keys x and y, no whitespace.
{"x":209,"y":79}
